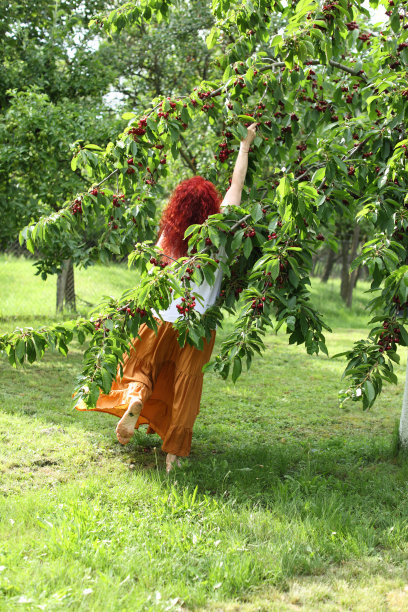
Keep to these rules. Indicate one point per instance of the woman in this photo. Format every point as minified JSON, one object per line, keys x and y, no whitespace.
{"x":162,"y":382}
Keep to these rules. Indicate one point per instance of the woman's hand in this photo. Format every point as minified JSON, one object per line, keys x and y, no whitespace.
{"x":250,"y":137}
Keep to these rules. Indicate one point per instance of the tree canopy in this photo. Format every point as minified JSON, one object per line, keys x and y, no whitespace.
{"x":329,"y":90}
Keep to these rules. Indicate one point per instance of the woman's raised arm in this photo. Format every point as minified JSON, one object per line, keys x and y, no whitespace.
{"x":233,"y":195}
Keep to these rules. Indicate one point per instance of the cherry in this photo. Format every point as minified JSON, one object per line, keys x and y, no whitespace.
{"x":76,"y":207}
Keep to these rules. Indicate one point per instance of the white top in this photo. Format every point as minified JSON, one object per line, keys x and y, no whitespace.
{"x":208,"y":293}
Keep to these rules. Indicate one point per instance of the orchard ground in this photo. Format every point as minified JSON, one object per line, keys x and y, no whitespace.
{"x":286,"y":502}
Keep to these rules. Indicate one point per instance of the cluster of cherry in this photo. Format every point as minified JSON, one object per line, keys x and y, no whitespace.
{"x":224,"y":153}
{"x":76,"y":207}
{"x":249,"y":231}
{"x":118,"y":199}
{"x":140,"y":130}
{"x":187,"y":304}
{"x":259,"y":304}
{"x":389,"y":337}
{"x":156,"y":262}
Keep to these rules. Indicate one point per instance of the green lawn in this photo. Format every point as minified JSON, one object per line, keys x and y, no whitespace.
{"x":285,"y":503}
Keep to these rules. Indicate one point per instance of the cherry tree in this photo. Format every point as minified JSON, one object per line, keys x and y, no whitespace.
{"x":330,"y":94}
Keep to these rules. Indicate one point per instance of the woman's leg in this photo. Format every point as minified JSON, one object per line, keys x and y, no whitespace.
{"x":171,"y":460}
{"x":126,"y":426}
{"x":140,"y":372}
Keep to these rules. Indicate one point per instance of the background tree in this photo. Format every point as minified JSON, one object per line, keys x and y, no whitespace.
{"x":52,"y":83}
{"x":65,"y":70}
{"x":331,"y":97}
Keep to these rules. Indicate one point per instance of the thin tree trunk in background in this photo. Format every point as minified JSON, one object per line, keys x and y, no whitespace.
{"x":403,"y":427}
{"x":329,"y":266}
{"x":66,"y":287}
{"x":345,"y":277}
{"x":70,"y":301}
{"x":315,"y":261}
{"x":352,"y":280}
{"x":358,"y":274}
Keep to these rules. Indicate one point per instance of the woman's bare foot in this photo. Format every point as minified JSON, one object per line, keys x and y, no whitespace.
{"x":126,"y":426}
{"x":170,"y":461}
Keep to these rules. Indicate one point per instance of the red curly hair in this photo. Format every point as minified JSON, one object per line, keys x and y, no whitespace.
{"x":192,"y":201}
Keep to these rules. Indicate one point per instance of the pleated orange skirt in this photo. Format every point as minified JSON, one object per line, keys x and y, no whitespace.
{"x":168,"y":378}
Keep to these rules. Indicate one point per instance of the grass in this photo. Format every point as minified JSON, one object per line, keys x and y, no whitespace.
{"x":285,"y":503}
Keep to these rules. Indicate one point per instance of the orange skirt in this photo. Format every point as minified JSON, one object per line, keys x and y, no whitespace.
{"x":168,"y":378}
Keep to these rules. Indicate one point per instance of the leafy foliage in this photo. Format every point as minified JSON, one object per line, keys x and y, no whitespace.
{"x":329,"y":91}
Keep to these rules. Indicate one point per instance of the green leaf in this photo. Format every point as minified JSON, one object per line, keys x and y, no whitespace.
{"x":214,"y":236}
{"x":236,"y":241}
{"x":404,"y":334}
{"x":273,"y":268}
{"x":284,"y":187}
{"x":256,"y":212}
{"x":370,"y":391}
{"x":318,"y":175}
{"x":236,"y":368}
{"x":106,"y":380}
{"x":395,"y":21}
{"x":340,"y":163}
{"x":93,"y":147}
{"x":212,"y":38}
{"x":294,"y":280}
{"x":190,"y":230}
{"x":20,"y":349}
{"x":208,"y":274}
{"x":30,"y":245}
{"x":227,"y":73}
{"x":247,"y":247}
{"x":31,"y":352}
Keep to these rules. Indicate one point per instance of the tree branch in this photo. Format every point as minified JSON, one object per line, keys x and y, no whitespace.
{"x":189,"y":161}
{"x":332,"y":63}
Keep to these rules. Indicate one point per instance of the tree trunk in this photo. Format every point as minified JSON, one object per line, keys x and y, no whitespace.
{"x":66,"y":287}
{"x":354,"y":248}
{"x":315,"y":261}
{"x":329,"y":266}
{"x":345,"y":277}
{"x":403,"y":427}
{"x":357,"y":276}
